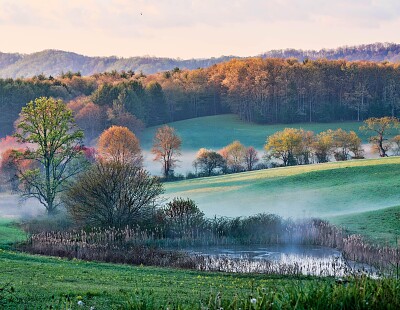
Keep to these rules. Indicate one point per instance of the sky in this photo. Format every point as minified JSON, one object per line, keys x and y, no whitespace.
{"x":193,"y":29}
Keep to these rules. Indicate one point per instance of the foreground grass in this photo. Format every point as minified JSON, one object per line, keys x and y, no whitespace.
{"x":321,"y":190}
{"x":10,"y":233}
{"x":39,"y":282}
{"x":380,"y":226}
{"x":217,"y":131}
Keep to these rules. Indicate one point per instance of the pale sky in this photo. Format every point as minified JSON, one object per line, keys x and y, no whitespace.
{"x":193,"y":29}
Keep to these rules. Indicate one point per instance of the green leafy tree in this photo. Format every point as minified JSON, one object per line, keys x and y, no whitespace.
{"x":207,"y":161}
{"x":49,"y":125}
{"x":183,"y":216}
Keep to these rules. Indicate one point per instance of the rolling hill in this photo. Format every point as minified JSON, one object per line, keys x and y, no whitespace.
{"x":53,"y":62}
{"x":320,"y":190}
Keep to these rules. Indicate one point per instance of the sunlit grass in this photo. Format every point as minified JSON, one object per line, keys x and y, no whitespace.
{"x":318,"y":190}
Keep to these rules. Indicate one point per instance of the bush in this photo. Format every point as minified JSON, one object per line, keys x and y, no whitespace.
{"x":112,"y":194}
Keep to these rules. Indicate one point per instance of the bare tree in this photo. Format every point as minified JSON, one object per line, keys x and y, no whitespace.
{"x":112,"y":194}
{"x":166,"y":148}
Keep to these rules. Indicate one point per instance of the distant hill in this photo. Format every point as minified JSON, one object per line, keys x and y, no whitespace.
{"x":371,"y":52}
{"x":54,"y":62}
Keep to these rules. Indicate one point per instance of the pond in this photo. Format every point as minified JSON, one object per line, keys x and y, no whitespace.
{"x":278,"y":259}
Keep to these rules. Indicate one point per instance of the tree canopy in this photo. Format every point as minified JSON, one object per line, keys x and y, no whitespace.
{"x":49,"y":125}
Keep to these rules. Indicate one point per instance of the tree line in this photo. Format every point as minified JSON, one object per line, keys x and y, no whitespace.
{"x":258,"y":90}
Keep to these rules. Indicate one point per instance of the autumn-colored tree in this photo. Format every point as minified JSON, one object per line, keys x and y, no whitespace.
{"x":346,"y":142}
{"x":121,"y":145}
{"x":207,"y":161}
{"x":323,"y":146}
{"x":49,"y":125}
{"x":166,"y":148}
{"x":118,"y":116}
{"x":285,"y":144}
{"x":234,"y":154}
{"x":381,"y":127}
{"x":9,"y":167}
{"x":89,"y":117}
{"x":250,"y":158}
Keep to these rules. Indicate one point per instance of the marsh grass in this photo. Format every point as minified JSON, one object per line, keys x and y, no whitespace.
{"x":134,"y":246}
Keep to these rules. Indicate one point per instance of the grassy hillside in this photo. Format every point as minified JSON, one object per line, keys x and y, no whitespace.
{"x":217,"y":131}
{"x":379,"y":226}
{"x":319,"y":190}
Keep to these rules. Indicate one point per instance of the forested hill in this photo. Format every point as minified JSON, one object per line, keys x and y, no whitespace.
{"x":371,"y":52}
{"x":54,"y":62}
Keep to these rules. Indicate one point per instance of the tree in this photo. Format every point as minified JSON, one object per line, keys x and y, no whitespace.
{"x":380,"y":126}
{"x":117,"y":115}
{"x":9,"y":167}
{"x":166,"y":148}
{"x":284,"y":145}
{"x":323,"y":146}
{"x":120,"y":144}
{"x":207,"y":161}
{"x":346,"y":142}
{"x":49,"y":125}
{"x":112,"y":194}
{"x":234,"y":155}
{"x":396,"y":145}
{"x":183,"y":216}
{"x":250,"y":158}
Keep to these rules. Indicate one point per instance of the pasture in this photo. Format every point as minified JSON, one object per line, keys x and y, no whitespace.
{"x":215,"y":132}
{"x":319,"y":190}
{"x":378,"y":226}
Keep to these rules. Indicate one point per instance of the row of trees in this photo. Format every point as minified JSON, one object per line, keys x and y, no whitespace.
{"x":54,"y":160}
{"x":258,"y":90}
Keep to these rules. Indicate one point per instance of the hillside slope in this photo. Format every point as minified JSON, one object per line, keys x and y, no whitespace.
{"x":53,"y":62}
{"x":320,"y":190}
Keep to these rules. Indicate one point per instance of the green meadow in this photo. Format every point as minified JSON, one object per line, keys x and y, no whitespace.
{"x":40,"y":282}
{"x":378,"y":226}
{"x":319,"y":190}
{"x":215,"y":132}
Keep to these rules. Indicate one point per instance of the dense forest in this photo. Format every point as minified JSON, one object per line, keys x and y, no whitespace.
{"x":258,"y":90}
{"x":54,"y":62}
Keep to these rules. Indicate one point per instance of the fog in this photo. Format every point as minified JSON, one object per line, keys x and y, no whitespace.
{"x":12,"y":207}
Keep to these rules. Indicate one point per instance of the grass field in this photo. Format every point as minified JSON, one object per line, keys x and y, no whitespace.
{"x":39,"y":282}
{"x":320,"y":190}
{"x":215,"y":132}
{"x":380,"y":226}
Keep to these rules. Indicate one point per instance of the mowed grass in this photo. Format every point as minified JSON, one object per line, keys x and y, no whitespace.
{"x":380,"y":226}
{"x":215,"y":132}
{"x":320,"y":190}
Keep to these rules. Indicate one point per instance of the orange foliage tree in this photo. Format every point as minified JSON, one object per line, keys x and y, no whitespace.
{"x":120,"y":144}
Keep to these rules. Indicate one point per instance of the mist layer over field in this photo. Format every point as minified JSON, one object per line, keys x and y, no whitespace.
{"x":320,"y":190}
{"x":12,"y":207}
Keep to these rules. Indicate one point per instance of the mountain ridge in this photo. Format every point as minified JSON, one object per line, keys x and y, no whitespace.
{"x":54,"y":62}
